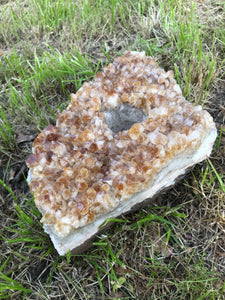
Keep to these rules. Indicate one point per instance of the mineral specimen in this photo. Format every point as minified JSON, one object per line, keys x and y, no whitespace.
{"x":125,"y":136}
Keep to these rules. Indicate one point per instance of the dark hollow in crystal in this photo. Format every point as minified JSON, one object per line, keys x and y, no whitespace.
{"x":123,"y":117}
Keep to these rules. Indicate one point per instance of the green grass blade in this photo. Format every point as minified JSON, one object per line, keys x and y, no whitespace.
{"x":8,"y":189}
{"x":217,"y":175}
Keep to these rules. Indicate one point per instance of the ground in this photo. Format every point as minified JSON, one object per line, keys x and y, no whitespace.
{"x":175,"y":247}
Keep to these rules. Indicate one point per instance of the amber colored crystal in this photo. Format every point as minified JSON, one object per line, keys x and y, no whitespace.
{"x":81,"y":169}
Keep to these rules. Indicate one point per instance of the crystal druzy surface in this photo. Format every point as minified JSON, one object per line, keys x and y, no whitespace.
{"x":120,"y":130}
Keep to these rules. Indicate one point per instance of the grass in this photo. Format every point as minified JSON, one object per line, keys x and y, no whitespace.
{"x":172,"y":249}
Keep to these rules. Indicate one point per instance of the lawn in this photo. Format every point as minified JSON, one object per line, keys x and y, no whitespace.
{"x":175,"y":247}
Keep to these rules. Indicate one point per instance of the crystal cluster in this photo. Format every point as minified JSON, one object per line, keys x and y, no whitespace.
{"x":119,"y":131}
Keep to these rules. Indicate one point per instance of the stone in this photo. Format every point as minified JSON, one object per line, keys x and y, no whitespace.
{"x":123,"y":117}
{"x":126,"y":135}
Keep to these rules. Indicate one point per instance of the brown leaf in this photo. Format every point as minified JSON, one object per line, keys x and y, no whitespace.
{"x":221,"y":254}
{"x":20,"y":137}
{"x":122,"y":270}
{"x":161,"y":247}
